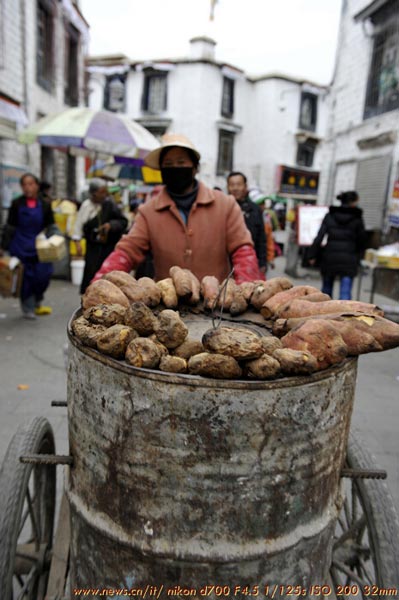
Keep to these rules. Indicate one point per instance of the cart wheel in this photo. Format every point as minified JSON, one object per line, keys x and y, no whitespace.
{"x":366,"y":550}
{"x":27,"y":504}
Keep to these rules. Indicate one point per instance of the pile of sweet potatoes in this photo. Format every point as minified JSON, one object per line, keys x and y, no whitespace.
{"x":137,"y":321}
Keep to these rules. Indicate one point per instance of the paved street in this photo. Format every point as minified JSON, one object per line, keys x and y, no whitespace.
{"x":31,"y":353}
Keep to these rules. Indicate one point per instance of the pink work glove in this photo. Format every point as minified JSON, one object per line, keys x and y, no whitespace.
{"x":245,"y":265}
{"x":116,"y":261}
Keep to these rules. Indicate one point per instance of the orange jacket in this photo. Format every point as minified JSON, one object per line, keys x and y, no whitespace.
{"x":214,"y":231}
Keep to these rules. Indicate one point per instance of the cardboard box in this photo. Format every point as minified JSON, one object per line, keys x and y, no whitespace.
{"x":51,"y":249}
{"x":11,"y":273}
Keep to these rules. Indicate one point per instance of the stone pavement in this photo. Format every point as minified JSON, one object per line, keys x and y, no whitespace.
{"x":31,"y":353}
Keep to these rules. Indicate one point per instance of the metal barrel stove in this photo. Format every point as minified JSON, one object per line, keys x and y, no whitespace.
{"x":184,"y":480}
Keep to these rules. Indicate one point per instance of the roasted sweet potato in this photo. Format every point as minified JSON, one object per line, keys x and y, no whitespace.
{"x":114,"y":340}
{"x":143,"y":353}
{"x":247,"y":289}
{"x":170,"y":329}
{"x":182,"y":282}
{"x":209,"y":291}
{"x":103,"y":292}
{"x":173,"y":364}
{"x":302,"y":308}
{"x":162,"y":349}
{"x":195,"y":287}
{"x":152,"y":293}
{"x":239,"y":304}
{"x":270,"y":343}
{"x":87,"y":332}
{"x":226,"y":295}
{"x":317,"y":297}
{"x":238,"y":342}
{"x":384,"y":331}
{"x":141,"y":318}
{"x":218,"y":366}
{"x":295,"y":362}
{"x":126,"y":283}
{"x":106,"y":314}
{"x":266,"y":289}
{"x":188,"y":348}
{"x":271,"y":306}
{"x":168,"y":292}
{"x":320,"y":338}
{"x":264,"y":367}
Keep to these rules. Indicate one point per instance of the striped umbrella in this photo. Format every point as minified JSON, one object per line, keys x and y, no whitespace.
{"x":83,"y":131}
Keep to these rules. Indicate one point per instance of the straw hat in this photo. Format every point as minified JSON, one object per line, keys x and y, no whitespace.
{"x":168,"y":141}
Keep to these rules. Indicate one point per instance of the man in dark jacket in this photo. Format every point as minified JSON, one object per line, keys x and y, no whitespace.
{"x":346,"y":241}
{"x":237,"y":187}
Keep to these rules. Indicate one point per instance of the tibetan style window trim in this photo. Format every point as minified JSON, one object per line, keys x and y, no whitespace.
{"x":45,"y":44}
{"x":115,"y":92}
{"x":71,"y":65}
{"x":154,"y":98}
{"x":225,"y":152}
{"x":382,"y":93}
{"x":308,"y":111}
{"x":228,"y":97}
{"x":305,"y":153}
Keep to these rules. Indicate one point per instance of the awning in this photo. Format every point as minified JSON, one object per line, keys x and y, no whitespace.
{"x":11,"y":118}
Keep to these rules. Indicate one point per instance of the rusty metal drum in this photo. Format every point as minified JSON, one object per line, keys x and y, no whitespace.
{"x":181,"y":480}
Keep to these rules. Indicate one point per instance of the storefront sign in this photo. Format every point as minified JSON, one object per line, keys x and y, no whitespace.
{"x":298,"y":181}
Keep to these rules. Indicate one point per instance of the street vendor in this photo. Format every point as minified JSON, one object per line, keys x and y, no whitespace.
{"x":186,"y":224}
{"x":28,"y":216}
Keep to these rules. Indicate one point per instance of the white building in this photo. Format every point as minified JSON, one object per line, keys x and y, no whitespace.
{"x":257,"y":126}
{"x":42,"y":49}
{"x":361,"y":149}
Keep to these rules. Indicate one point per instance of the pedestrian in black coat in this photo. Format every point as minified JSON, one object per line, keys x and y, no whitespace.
{"x":101,"y":222}
{"x":253,"y":216}
{"x":346,"y":241}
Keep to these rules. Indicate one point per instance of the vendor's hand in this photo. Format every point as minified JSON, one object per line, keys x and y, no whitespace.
{"x":104,"y":228}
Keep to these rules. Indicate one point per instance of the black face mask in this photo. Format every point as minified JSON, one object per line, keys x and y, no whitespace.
{"x":177,"y":179}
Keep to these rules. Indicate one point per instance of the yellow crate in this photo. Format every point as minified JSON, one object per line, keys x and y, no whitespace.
{"x":72,"y":247}
{"x":391,"y":262}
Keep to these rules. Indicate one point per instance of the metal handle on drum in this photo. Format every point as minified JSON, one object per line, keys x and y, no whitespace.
{"x":223,"y":288}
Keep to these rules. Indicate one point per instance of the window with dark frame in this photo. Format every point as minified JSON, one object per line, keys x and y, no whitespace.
{"x":308,"y":111}
{"x":383,"y":82}
{"x":305,"y":153}
{"x":225,"y":153}
{"x":154,"y":98}
{"x":228,"y":97}
{"x":44,"y":44}
{"x":114,"y":93}
{"x":71,"y":71}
